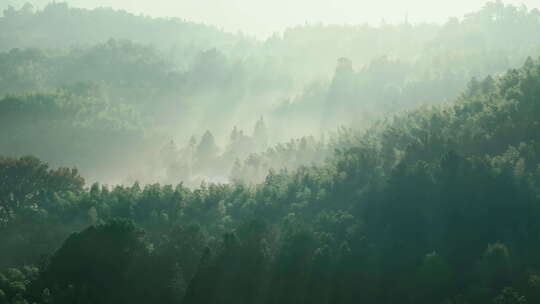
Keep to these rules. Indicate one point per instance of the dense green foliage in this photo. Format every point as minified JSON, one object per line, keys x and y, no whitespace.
{"x":436,"y":205}
{"x":432,"y":195}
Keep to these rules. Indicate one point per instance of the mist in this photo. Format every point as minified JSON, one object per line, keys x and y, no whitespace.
{"x":258,"y":152}
{"x":165,"y":84}
{"x":262,"y":18}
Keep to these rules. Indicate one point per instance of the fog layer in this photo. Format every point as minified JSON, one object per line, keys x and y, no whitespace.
{"x":263,"y":18}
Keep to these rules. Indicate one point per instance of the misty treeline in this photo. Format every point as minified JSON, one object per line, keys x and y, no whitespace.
{"x":108,"y":91}
{"x":436,"y":205}
{"x":429,"y":194}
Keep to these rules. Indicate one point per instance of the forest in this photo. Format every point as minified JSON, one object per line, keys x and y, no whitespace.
{"x":158,"y":160}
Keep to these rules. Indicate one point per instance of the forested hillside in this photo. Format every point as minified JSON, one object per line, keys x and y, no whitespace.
{"x":377,"y":175}
{"x":59,"y":26}
{"x":161,"y":80}
{"x":436,"y":205}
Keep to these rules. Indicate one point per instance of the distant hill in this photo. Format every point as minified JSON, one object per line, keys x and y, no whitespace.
{"x":58,"y":25}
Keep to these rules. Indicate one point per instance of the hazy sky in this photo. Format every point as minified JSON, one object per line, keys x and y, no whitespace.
{"x":262,"y":17}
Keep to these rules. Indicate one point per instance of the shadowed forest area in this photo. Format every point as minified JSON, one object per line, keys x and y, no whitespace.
{"x":158,"y":160}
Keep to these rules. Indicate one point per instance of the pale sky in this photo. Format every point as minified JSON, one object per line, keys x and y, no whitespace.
{"x":263,"y":17}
